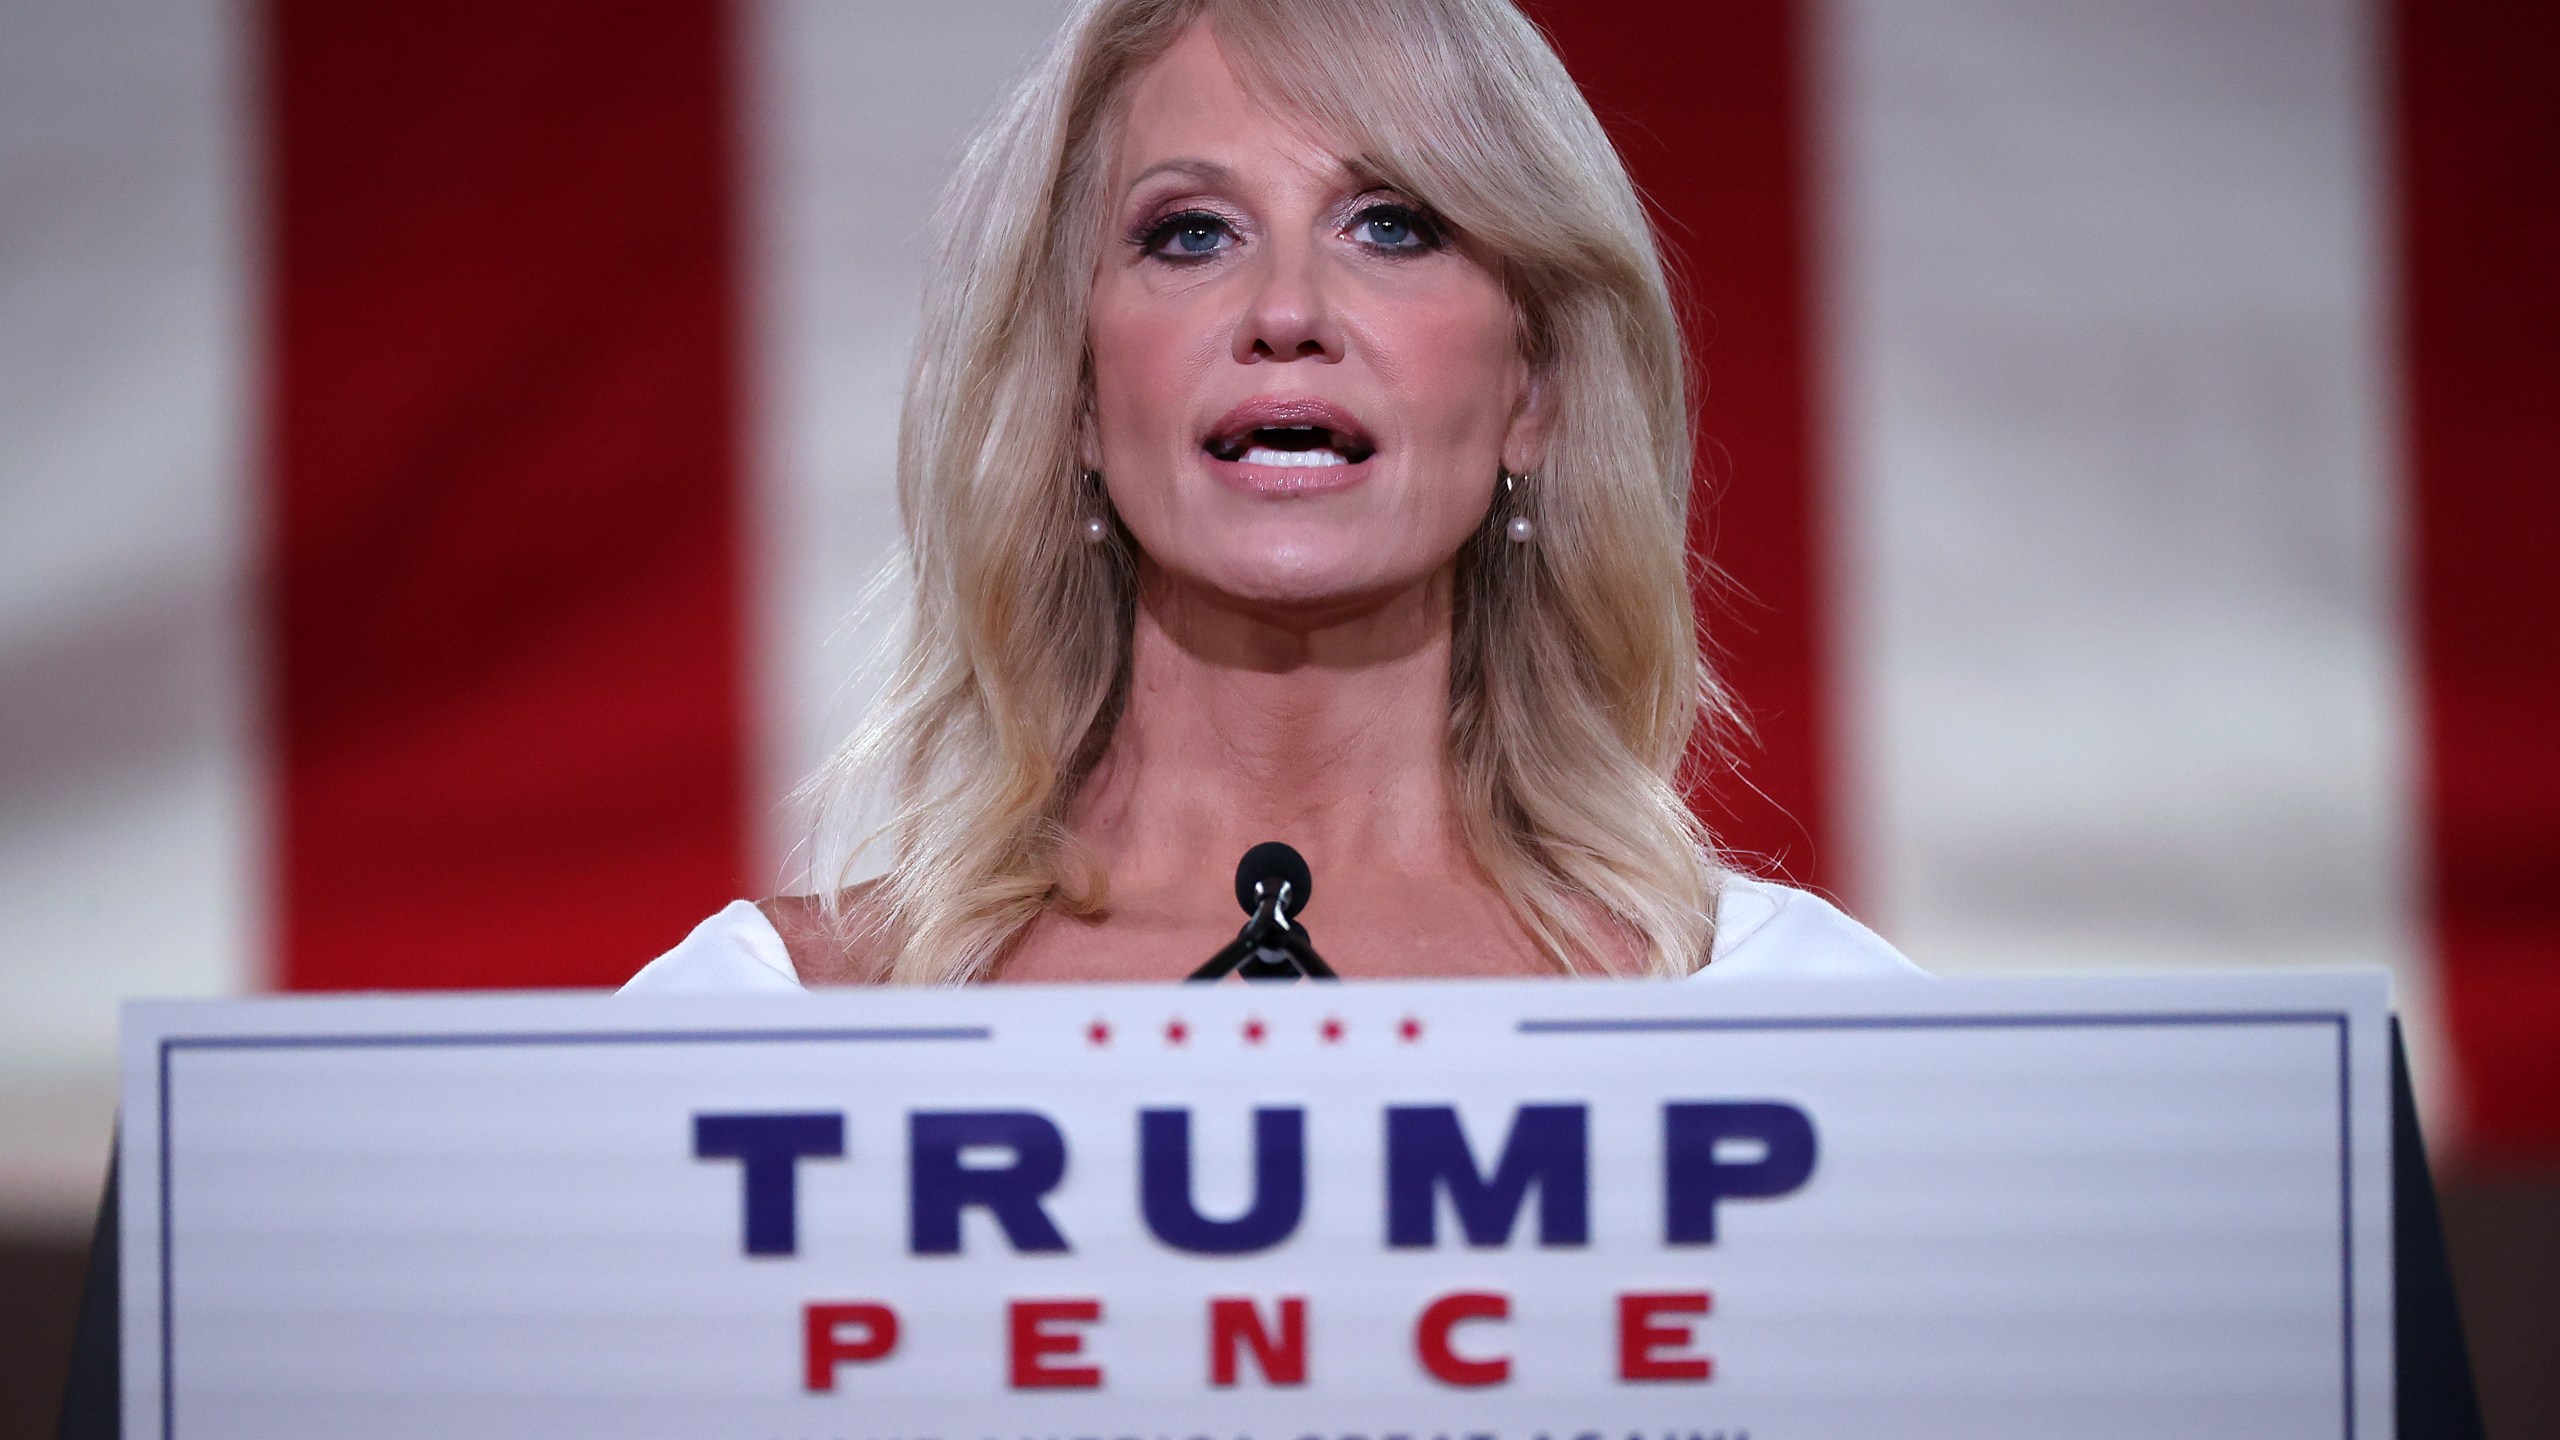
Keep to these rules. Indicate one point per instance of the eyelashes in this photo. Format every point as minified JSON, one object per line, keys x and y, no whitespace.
{"x":1396,"y":229}
{"x":1185,"y":236}
{"x":1399,"y":228}
{"x":1191,"y":235}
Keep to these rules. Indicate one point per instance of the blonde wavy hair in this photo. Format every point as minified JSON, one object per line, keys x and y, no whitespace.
{"x":1577,"y":683}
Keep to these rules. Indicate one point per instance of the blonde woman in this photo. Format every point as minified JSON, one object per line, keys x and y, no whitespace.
{"x":1296,"y":449}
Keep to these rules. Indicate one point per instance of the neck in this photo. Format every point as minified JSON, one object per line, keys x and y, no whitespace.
{"x":1328,"y":733}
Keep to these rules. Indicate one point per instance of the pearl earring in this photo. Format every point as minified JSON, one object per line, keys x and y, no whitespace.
{"x":1096,"y":529}
{"x":1521,"y":529}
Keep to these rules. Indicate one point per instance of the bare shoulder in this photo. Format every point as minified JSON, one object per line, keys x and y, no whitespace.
{"x":842,"y":948}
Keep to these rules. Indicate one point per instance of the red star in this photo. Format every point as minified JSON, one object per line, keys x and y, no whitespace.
{"x":1175,"y":1032}
{"x":1098,"y":1033}
{"x":1411,"y":1029}
{"x":1253,"y":1032}
{"x":1332,"y":1030}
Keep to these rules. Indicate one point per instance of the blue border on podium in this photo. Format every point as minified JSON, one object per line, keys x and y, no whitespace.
{"x":2336,"y":1020}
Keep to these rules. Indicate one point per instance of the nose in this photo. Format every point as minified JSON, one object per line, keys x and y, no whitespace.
{"x":1286,"y":314}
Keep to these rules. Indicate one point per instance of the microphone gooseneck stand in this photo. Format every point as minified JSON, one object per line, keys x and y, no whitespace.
{"x":1272,"y":884}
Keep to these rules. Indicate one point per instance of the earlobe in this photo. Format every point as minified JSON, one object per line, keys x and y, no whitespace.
{"x":1088,"y":429}
{"x":1524,"y":444}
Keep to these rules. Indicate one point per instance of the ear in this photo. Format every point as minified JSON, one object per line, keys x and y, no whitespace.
{"x":1088,"y":433}
{"x":1524,"y":442}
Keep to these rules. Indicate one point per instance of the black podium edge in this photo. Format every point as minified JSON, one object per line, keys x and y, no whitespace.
{"x":2436,"y":1400}
{"x":93,"y":1393}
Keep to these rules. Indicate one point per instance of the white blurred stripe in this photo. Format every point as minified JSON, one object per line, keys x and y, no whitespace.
{"x":130,"y":828}
{"x":856,"y":115}
{"x":2112,"y":404}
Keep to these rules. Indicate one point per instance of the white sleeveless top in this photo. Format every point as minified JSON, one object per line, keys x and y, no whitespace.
{"x":1762,"y":928}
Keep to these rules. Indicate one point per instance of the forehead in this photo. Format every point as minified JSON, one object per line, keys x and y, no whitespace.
{"x":1190,"y":104}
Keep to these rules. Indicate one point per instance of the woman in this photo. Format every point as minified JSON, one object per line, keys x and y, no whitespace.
{"x":1296,"y":449}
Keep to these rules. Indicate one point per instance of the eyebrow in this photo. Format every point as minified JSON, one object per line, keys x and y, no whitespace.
{"x":1206,"y":171}
{"x":1210,"y":172}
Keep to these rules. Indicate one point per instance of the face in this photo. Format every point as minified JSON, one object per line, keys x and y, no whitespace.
{"x":1303,"y":386}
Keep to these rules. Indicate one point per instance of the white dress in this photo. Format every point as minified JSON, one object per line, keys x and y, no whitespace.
{"x":1762,"y":928}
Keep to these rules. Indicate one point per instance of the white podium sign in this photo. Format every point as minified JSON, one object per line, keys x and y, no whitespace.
{"x":1978,"y":1208}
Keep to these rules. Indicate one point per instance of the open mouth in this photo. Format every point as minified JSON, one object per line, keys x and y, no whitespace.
{"x":1301,"y":446}
{"x":1303,"y":433}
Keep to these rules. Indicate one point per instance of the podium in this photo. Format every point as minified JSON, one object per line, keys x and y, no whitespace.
{"x":1973,"y":1206}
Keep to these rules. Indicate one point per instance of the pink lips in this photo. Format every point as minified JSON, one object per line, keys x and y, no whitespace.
{"x":1288,"y":445}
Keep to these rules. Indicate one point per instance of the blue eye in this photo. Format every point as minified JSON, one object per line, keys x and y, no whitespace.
{"x":1395,"y":227}
{"x":1191,"y":235}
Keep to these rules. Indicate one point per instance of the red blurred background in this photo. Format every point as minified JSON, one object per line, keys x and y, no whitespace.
{"x":444,"y":444}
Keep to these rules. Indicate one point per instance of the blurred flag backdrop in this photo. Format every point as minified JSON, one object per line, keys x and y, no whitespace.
{"x":443,"y":445}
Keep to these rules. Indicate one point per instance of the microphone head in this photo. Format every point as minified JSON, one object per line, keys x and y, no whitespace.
{"x":1272,"y":860}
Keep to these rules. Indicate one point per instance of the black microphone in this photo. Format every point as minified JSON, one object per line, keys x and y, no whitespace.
{"x":1272,"y":884}
{"x":1274,"y":863}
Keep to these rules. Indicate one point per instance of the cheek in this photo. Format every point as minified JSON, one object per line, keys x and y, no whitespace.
{"x":1450,"y":358}
{"x":1140,"y":354}
{"x":1456,"y":368}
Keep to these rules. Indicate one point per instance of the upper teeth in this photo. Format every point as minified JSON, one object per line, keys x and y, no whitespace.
{"x":1265,"y":455}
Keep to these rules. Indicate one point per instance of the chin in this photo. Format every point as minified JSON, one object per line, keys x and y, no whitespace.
{"x":1309,"y":582}
{"x":1305,"y":561}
